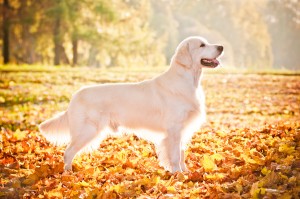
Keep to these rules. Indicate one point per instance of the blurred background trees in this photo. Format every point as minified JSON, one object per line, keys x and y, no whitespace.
{"x":256,"y":34}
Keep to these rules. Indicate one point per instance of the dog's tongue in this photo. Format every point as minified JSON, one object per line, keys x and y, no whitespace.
{"x":215,"y":62}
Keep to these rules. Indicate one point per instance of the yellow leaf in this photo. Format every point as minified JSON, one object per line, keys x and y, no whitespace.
{"x":217,"y":157}
{"x":221,"y":133}
{"x":265,"y":171}
{"x":146,"y":152}
{"x":121,"y":156}
{"x":208,"y":163}
{"x":289,"y":159}
{"x":2,"y":99}
{"x":262,"y":191}
{"x":74,"y":193}
{"x":292,"y":179}
{"x":83,"y":184}
{"x":54,"y":194}
{"x":11,"y":83}
{"x":20,"y":135}
{"x":118,"y":188}
{"x":256,"y":191}
{"x":248,"y":160}
{"x":156,"y":180}
{"x":216,"y":176}
{"x":287,"y":149}
{"x":257,"y":156}
{"x":190,"y":184}
{"x":171,"y":189}
{"x":283,"y":176}
{"x":144,"y":181}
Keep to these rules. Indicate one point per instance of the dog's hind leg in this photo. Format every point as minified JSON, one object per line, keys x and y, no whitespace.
{"x":79,"y":140}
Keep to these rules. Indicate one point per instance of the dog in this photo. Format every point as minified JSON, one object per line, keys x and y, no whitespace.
{"x":165,"y":110}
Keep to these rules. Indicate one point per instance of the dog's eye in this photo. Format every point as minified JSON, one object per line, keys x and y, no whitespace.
{"x":202,"y":45}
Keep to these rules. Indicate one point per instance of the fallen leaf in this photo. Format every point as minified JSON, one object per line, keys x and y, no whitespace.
{"x":208,"y":163}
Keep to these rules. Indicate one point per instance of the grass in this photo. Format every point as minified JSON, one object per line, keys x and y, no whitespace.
{"x":249,"y":147}
{"x":158,"y":69}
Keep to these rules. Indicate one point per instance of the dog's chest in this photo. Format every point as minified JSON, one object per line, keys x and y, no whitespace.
{"x":193,"y":111}
{"x":196,"y":110}
{"x":190,"y":108}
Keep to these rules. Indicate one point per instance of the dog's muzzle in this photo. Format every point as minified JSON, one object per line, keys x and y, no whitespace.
{"x":210,"y":62}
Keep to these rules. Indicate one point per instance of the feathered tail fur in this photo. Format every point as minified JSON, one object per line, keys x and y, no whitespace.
{"x":56,"y":130}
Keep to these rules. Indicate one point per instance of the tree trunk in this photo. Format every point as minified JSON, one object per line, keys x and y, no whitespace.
{"x":57,"y":41}
{"x":75,"y":51}
{"x":64,"y":57}
{"x":6,"y":24}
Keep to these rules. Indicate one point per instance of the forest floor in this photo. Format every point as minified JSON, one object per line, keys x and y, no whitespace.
{"x":249,"y":147}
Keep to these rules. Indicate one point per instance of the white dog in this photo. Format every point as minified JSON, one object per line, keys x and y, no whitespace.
{"x":166,"y":110}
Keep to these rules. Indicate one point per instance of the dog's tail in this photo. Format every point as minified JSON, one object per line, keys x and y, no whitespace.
{"x":56,"y":130}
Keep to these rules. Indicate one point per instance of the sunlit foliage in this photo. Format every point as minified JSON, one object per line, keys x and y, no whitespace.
{"x":256,"y":34}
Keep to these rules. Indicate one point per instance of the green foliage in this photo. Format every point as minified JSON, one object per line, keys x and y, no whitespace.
{"x":256,"y":34}
{"x":97,"y":33}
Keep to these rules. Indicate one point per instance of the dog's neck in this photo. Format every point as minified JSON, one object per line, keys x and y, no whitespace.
{"x":180,"y":64}
{"x":182,"y":80}
{"x":193,"y":70}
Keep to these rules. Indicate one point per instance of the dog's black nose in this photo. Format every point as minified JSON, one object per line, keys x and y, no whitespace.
{"x":220,"y":48}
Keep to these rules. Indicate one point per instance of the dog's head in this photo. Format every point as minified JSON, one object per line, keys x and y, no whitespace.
{"x":197,"y":52}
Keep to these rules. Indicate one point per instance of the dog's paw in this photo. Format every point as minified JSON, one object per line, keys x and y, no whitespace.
{"x":184,"y":168}
{"x":68,"y":167}
{"x":175,"y":168}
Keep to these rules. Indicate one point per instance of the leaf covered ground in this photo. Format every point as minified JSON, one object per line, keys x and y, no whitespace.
{"x":249,"y":148}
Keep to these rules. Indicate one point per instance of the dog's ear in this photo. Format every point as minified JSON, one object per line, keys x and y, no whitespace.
{"x":183,"y":56}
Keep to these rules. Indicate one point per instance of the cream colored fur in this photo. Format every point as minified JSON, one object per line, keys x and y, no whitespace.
{"x":165,"y":110}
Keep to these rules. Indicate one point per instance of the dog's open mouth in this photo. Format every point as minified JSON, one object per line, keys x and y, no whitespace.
{"x":210,"y":62}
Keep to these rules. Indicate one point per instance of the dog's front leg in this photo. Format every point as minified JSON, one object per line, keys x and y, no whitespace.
{"x":175,"y":154}
{"x":168,"y":150}
{"x":182,"y":163}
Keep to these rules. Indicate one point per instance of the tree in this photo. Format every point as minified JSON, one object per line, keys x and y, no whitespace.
{"x":239,"y":25}
{"x":57,"y":39}
{"x":95,"y":33}
{"x":284,"y":24}
{"x":6,"y":27}
{"x":79,"y":19}
{"x":56,"y":12}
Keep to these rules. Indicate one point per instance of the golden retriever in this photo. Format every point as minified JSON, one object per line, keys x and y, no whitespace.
{"x":165,"y":110}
